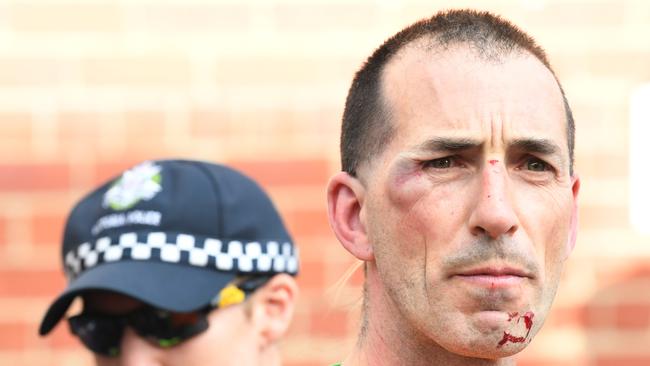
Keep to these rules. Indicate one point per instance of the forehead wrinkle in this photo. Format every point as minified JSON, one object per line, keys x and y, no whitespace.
{"x":494,"y":141}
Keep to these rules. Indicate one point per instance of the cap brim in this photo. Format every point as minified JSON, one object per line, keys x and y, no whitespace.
{"x":164,"y":285}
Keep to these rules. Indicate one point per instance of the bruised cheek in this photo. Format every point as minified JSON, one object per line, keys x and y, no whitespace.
{"x":406,"y":186}
{"x":413,"y":199}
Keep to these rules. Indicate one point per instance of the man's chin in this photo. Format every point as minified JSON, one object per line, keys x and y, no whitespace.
{"x":488,"y":322}
{"x":486,"y":347}
{"x":494,"y":334}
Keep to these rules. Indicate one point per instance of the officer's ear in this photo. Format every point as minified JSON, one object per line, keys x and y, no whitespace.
{"x":345,"y":197}
{"x":272,"y":307}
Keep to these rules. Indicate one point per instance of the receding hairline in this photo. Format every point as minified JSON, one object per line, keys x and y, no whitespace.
{"x":366,"y":127}
{"x":428,"y":44}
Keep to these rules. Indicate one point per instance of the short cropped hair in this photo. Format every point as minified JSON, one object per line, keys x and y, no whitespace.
{"x":367,"y":128}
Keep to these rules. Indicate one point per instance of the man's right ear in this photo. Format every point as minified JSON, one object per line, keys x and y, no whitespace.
{"x":345,"y":197}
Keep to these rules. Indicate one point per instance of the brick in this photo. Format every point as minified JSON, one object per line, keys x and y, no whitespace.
{"x":15,"y":125}
{"x":301,"y":316}
{"x":79,"y":126}
{"x":171,"y":146}
{"x":358,"y":277}
{"x":603,"y":165}
{"x":620,"y":360}
{"x":209,"y":123}
{"x":633,"y":316}
{"x":551,"y":362}
{"x":639,"y":270}
{"x":22,"y":309}
{"x":601,"y":142}
{"x":617,"y":288}
{"x":50,"y":357}
{"x":345,"y":270}
{"x":628,"y":64}
{"x":306,"y":363}
{"x":60,"y":337}
{"x":599,"y":316}
{"x":306,"y":223}
{"x":329,"y":322}
{"x":25,"y":336}
{"x":65,"y":17}
{"x":298,"y":17}
{"x":270,"y":123}
{"x":34,"y":177}
{"x":312,"y":275}
{"x":627,"y":273}
{"x":13,"y":335}
{"x":151,"y":70}
{"x":594,"y":117}
{"x":567,"y":317}
{"x":31,"y":282}
{"x":603,"y":216}
{"x":142,"y":125}
{"x":318,"y":122}
{"x":288,"y":70}
{"x":29,"y":72}
{"x":575,"y":15}
{"x":3,"y":231}
{"x":285,"y":173}
{"x":206,"y":17}
{"x":47,"y":230}
{"x":15,"y":151}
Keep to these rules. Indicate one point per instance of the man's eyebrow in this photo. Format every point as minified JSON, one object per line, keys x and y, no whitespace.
{"x":449,"y":144}
{"x":533,"y":145}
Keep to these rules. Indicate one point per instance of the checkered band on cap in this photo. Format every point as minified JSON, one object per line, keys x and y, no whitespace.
{"x":228,"y":256}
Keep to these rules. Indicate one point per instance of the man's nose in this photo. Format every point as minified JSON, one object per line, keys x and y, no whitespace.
{"x":493,"y":214}
{"x":137,"y":351}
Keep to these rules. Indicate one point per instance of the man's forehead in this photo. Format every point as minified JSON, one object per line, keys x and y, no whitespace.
{"x":459,"y":68}
{"x":460,"y":94}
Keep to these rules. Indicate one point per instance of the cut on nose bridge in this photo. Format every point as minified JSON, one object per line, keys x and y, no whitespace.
{"x":494,"y":178}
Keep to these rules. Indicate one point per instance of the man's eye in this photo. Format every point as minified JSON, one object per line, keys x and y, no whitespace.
{"x":537,"y":165}
{"x":441,"y":163}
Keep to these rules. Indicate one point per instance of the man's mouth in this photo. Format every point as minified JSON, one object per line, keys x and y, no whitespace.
{"x":493,"y":277}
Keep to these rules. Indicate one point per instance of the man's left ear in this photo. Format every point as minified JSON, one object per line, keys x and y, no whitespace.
{"x":272,"y":307}
{"x":573,"y":229}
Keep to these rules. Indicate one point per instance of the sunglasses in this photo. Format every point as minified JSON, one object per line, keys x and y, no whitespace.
{"x":102,"y":333}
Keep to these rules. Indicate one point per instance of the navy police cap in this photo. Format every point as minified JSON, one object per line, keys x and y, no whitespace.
{"x":172,"y":234}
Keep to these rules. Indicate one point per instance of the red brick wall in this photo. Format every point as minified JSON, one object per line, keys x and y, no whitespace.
{"x":90,"y":87}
